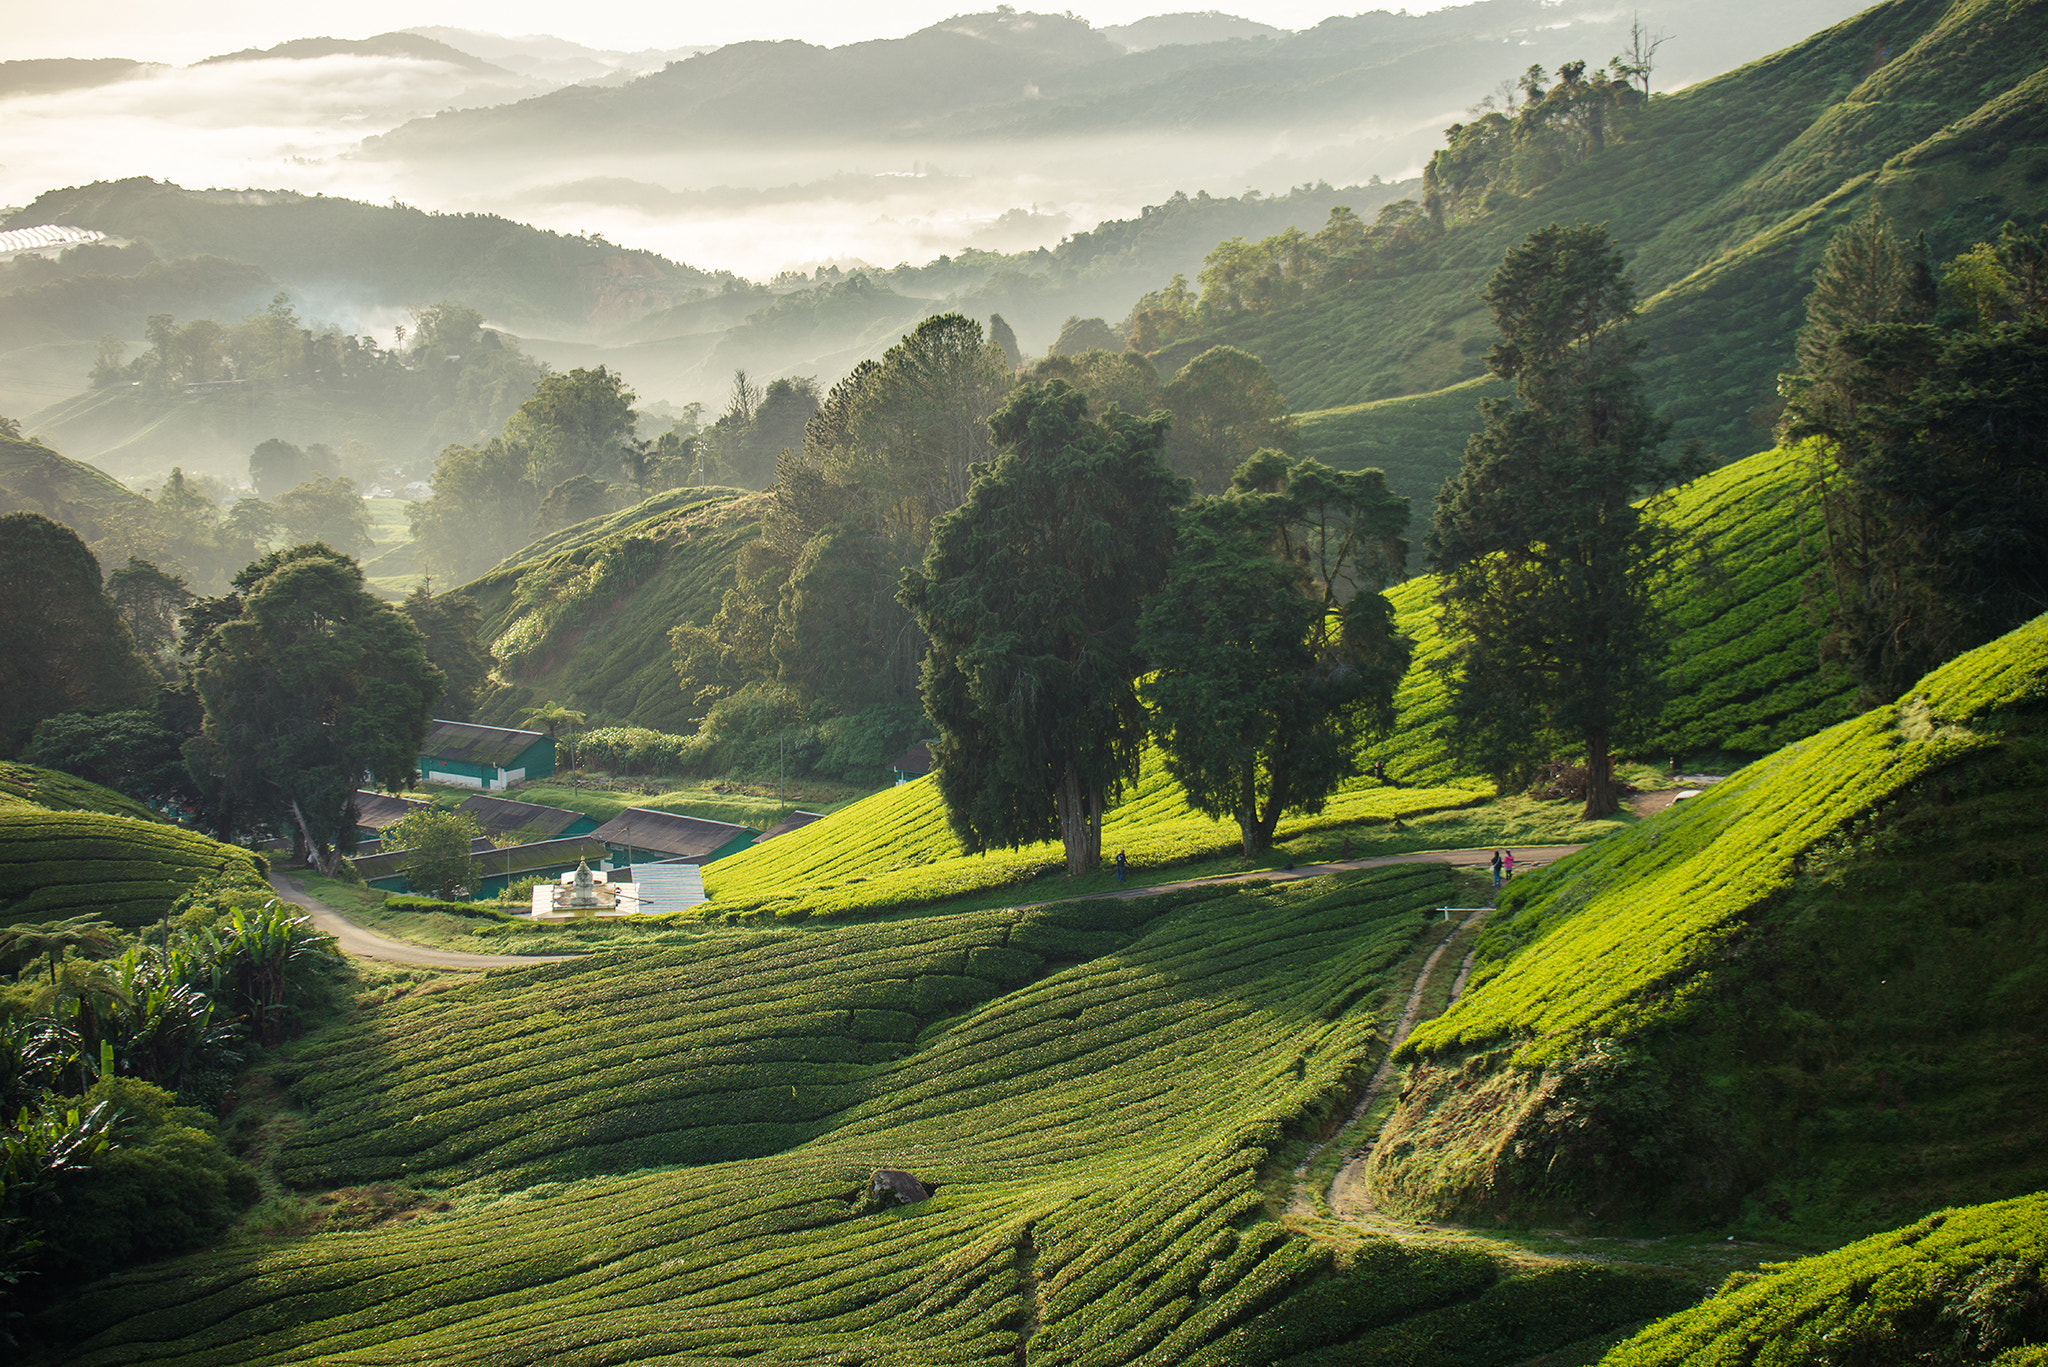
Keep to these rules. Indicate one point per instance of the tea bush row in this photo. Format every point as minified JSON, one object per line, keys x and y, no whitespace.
{"x":1744,"y":672}
{"x":1623,"y":924}
{"x":1094,"y":1137}
{"x":55,"y":865}
{"x":1961,"y":1286}
{"x":895,"y":848}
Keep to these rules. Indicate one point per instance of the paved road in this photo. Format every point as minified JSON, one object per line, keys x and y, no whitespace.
{"x":1526,"y":857}
{"x":367,"y":944}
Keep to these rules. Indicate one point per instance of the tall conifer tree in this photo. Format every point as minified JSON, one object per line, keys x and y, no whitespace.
{"x":1540,"y":546}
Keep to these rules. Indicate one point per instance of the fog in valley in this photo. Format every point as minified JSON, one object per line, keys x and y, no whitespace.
{"x":756,"y":170}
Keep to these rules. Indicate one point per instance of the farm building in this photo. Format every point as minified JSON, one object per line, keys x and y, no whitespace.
{"x":466,"y":755}
{"x":511,"y":822}
{"x":795,"y":821}
{"x":498,"y":866}
{"x":375,"y":811}
{"x":915,"y":762}
{"x":640,"y":835}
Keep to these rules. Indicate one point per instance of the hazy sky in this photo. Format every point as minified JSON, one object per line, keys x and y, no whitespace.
{"x":186,"y":30}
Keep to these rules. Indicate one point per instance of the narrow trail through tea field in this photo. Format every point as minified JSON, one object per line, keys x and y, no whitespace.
{"x":1301,"y":1201}
{"x":367,"y":944}
{"x":1526,"y":857}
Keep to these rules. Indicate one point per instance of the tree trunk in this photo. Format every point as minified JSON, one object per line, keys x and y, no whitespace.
{"x":1080,"y":822}
{"x":324,"y":860}
{"x":1600,"y":799}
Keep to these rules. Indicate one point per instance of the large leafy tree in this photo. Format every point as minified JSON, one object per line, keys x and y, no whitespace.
{"x":450,"y":626}
{"x":1540,"y":547}
{"x":1030,"y":595}
{"x":309,"y":683}
{"x":579,"y":423}
{"x":1274,"y":648}
{"x":63,"y":645}
{"x":1225,"y":407}
{"x":1930,"y":436}
{"x":437,"y":844}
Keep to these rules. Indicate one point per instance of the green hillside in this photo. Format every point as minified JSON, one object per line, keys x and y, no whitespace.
{"x":375,"y":256}
{"x":894,"y":849}
{"x":663,"y":1158}
{"x":582,"y":616}
{"x":34,"y":478}
{"x":70,"y":848}
{"x":1810,"y":997}
{"x":1961,"y":1286}
{"x":1744,"y":673}
{"x":1722,"y":196}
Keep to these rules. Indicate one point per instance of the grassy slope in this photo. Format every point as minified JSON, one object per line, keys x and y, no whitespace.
{"x":1942,"y":1289}
{"x":71,"y":848}
{"x":598,"y":642}
{"x":1722,"y":198}
{"x":1093,"y":1091}
{"x":34,"y":478}
{"x":895,"y":849}
{"x":1814,"y":992}
{"x":1744,"y":672}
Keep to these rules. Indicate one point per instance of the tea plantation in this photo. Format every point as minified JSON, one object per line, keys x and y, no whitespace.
{"x":894,"y":849}
{"x":75,"y":860}
{"x":1744,"y":673}
{"x":1808,"y":1001}
{"x":1091,"y":1090}
{"x":1959,"y":1286}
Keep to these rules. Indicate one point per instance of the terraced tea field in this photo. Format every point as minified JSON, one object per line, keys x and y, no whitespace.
{"x":1092,"y":1091}
{"x":1744,"y":672}
{"x":894,"y":849}
{"x":74,"y":862}
{"x":1627,"y":921}
{"x":1956,"y":1286}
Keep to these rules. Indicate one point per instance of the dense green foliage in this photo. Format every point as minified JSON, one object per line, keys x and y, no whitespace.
{"x":1029,"y":596}
{"x":584,"y":615}
{"x":1933,"y":436}
{"x":1609,"y":940}
{"x":1744,"y":672}
{"x":1090,"y":1090}
{"x":1273,"y":651}
{"x":1541,"y":548}
{"x":63,"y":647}
{"x":1961,"y":1286}
{"x":311,"y":687}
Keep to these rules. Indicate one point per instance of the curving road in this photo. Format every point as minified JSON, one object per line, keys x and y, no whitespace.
{"x":354,"y":939}
{"x":367,"y":944}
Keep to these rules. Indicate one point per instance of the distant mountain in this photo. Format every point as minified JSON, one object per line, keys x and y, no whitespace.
{"x":43,"y":75}
{"x":382,"y":45}
{"x":351,"y":257}
{"x":553,"y":59}
{"x":1189,"y":29}
{"x":1722,"y":197}
{"x":1007,"y":75}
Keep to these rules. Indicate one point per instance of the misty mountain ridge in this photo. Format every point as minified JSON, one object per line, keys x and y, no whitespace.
{"x":1188,"y":29}
{"x":556,"y":60}
{"x":410,"y":45}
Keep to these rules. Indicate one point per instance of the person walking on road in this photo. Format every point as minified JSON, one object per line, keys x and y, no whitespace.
{"x":1508,"y":865}
{"x":1496,"y":870}
{"x":1121,"y":865}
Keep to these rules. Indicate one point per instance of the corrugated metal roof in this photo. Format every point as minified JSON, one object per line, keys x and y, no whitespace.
{"x":473,"y":744}
{"x":504,"y":815}
{"x":795,"y":821}
{"x":390,"y":863}
{"x":668,"y":832}
{"x":916,"y":760}
{"x":378,"y":810}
